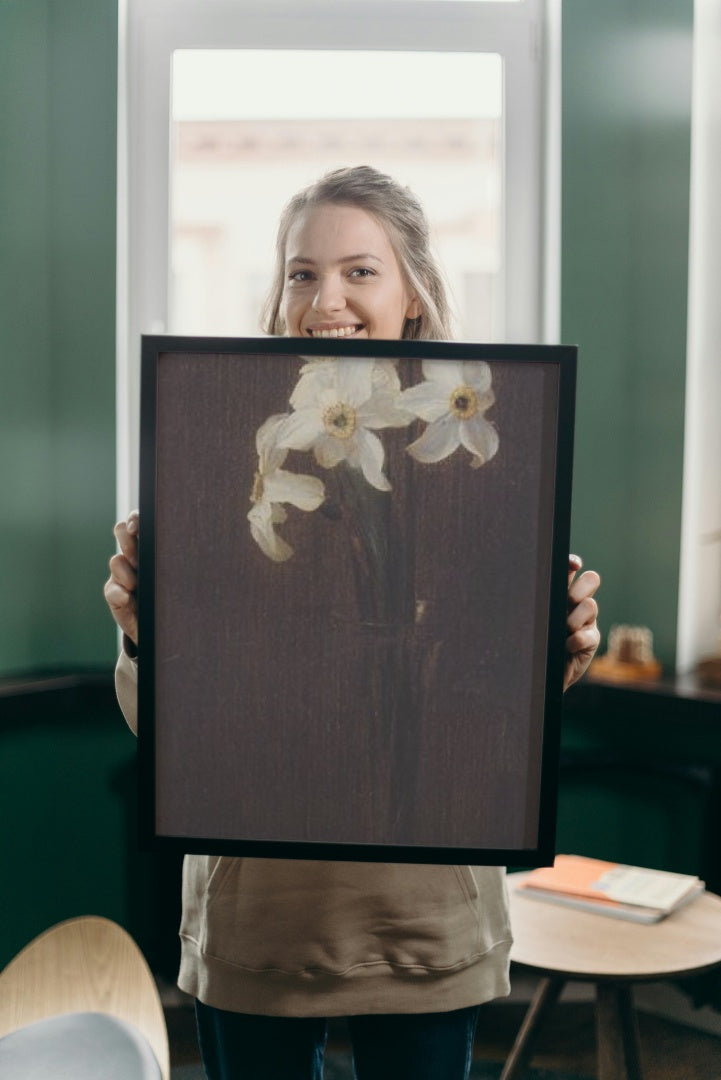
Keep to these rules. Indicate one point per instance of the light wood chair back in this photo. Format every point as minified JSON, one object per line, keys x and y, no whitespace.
{"x":87,"y":964}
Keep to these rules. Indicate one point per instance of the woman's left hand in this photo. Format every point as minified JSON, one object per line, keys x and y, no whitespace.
{"x":582,"y":634}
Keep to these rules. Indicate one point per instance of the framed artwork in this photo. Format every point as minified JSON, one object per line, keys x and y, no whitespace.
{"x":352,"y":597}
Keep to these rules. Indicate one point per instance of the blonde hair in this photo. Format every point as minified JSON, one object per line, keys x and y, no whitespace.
{"x":403,"y":217}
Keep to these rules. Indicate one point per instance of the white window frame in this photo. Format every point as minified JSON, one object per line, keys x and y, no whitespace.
{"x":699,"y":597}
{"x":526,"y":34}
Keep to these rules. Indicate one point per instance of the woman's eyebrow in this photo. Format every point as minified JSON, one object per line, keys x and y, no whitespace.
{"x":361,"y":257}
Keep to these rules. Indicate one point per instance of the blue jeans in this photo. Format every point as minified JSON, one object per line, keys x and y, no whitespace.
{"x":414,"y":1046}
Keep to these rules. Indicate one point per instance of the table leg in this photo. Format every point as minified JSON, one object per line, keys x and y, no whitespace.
{"x":545,"y":997}
{"x":617,"y":1033}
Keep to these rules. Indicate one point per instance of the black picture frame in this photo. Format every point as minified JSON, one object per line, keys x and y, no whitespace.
{"x":392,"y":691}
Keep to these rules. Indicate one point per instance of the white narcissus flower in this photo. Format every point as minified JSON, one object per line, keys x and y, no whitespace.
{"x":338,"y":403}
{"x":452,"y":400}
{"x":273,"y":486}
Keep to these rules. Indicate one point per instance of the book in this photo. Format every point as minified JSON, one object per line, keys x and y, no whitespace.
{"x":608,"y":888}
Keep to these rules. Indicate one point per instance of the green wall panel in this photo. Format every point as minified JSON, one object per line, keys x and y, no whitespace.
{"x":26,"y":490}
{"x":68,"y":844}
{"x":626,"y":145}
{"x":68,"y":798}
{"x":58,"y":75}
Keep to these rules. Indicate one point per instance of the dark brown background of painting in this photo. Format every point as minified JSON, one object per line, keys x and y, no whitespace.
{"x":284,"y":711}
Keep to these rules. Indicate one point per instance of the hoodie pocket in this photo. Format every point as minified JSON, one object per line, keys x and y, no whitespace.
{"x":303,"y":916}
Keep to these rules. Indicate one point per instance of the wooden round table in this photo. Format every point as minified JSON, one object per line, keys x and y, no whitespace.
{"x":562,"y":944}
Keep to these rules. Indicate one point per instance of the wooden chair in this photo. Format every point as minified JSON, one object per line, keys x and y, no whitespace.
{"x":563,"y":944}
{"x":87,"y":967}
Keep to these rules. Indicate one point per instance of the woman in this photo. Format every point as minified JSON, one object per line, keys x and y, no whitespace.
{"x":272,"y":948}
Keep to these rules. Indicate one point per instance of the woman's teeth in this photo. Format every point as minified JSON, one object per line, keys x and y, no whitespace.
{"x":337,"y":331}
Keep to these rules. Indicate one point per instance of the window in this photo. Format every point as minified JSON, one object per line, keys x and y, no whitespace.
{"x":236,"y":161}
{"x":699,"y":624}
{"x":227,"y":105}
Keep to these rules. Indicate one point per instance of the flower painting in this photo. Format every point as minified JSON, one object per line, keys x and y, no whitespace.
{"x":352,"y":593}
{"x":338,"y":408}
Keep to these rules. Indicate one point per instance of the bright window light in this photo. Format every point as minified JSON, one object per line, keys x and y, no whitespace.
{"x":239,"y":154}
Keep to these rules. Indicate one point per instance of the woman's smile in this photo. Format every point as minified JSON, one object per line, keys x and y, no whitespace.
{"x":324,"y":331}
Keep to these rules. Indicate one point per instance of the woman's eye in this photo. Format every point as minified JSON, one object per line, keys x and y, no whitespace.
{"x":300,"y":276}
{"x":362,"y":272}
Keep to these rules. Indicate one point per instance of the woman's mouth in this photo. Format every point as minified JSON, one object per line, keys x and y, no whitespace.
{"x":335,"y":331}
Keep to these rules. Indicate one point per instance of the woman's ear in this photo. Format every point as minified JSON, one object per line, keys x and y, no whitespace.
{"x":415,"y":309}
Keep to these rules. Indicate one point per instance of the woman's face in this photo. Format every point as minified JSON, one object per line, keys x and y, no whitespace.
{"x":342,"y":277}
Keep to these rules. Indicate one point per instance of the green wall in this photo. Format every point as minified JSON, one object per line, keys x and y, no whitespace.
{"x":67,"y":769}
{"x":58,"y":72}
{"x":626,"y":145}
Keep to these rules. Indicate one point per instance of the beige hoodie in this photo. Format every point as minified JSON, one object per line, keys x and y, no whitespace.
{"x":287,"y":937}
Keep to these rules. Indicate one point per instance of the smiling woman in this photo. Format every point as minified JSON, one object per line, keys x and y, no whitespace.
{"x":271,"y":945}
{"x":353,"y":259}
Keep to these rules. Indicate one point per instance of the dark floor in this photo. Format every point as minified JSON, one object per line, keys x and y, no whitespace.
{"x":566,"y":1043}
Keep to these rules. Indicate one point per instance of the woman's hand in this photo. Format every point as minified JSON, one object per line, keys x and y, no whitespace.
{"x":121,"y":587}
{"x":583,"y":636}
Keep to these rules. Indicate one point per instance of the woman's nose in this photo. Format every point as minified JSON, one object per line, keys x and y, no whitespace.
{"x":329,"y":296}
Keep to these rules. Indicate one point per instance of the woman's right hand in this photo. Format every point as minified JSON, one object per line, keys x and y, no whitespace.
{"x":121,"y":587}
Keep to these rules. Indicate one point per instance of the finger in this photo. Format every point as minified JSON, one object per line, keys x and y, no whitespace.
{"x":575,"y":562}
{"x":583,"y":641}
{"x":118,"y":597}
{"x":126,"y":533}
{"x":576,"y":666}
{"x":123,"y":572}
{"x":586,"y":585}
{"x":584,"y":613}
{"x":123,"y":608}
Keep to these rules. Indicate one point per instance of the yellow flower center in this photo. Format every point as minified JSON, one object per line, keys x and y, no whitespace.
{"x":339,"y":420}
{"x":257,"y":493}
{"x":464,"y":402}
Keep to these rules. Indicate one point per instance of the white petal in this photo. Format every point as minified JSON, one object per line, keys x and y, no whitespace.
{"x":480,"y":437}
{"x":315,"y":363}
{"x":300,"y":430}
{"x":354,"y":381}
{"x":426,"y":400}
{"x":447,"y":373}
{"x":370,"y":456}
{"x":438,"y":441}
{"x":485,"y":400}
{"x":329,"y":450}
{"x":477,"y":373}
{"x":262,"y":531}
{"x":305,"y":492}
{"x":385,"y":376}
{"x":277,"y":514}
{"x":313,"y":379}
{"x":270,"y":455}
{"x":382,"y":411}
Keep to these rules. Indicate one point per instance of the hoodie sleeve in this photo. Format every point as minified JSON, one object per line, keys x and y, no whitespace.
{"x":126,"y":688}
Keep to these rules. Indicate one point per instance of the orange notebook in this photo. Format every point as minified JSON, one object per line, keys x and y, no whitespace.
{"x":631,"y":892}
